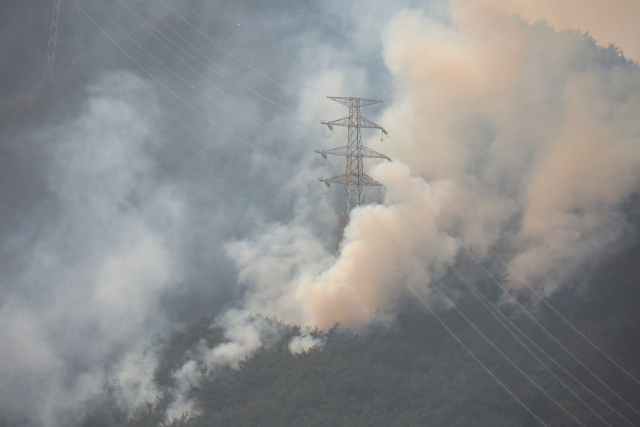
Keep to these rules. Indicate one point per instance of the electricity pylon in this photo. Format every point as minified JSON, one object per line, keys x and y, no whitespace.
{"x":354,"y":179}
{"x":65,"y":48}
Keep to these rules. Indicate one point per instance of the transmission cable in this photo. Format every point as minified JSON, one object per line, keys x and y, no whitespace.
{"x":578,"y":331}
{"x":164,"y":65}
{"x":541,"y":349}
{"x":491,"y":343}
{"x":197,"y":111}
{"x":558,"y":342}
{"x":538,"y":347}
{"x":214,"y":43}
{"x":566,"y":386}
{"x":258,"y":149}
{"x":504,"y":320}
{"x":387,"y":232}
{"x":151,"y":29}
{"x":472,"y":288}
{"x":231,"y":78}
{"x":444,"y":325}
{"x":610,"y":307}
{"x":507,"y":358}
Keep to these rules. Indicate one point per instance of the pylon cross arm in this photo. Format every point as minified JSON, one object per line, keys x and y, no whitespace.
{"x":348,"y":101}
{"x":353,"y":179}
{"x":344,"y":151}
{"x":352,"y":121}
{"x":364,"y":123}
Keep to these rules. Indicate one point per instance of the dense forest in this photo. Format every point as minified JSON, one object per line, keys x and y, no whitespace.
{"x":410,"y":372}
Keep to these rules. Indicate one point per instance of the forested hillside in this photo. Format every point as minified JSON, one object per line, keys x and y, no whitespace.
{"x":409,"y":372}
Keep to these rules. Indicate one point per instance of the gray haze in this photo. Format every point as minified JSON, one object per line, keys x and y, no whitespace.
{"x":117,"y":200}
{"x":126,"y":214}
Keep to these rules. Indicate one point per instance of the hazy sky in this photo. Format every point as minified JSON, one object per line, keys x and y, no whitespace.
{"x":128,"y":210}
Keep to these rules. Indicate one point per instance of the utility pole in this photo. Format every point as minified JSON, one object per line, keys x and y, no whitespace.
{"x":354,"y":179}
{"x":65,"y":47}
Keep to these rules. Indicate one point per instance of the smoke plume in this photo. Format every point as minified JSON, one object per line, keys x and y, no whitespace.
{"x":608,"y":23}
{"x":129,"y":215}
{"x":539,"y":124}
{"x":512,"y":135}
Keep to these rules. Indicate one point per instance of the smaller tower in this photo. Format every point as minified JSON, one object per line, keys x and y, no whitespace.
{"x":65,"y":47}
{"x":354,"y":178}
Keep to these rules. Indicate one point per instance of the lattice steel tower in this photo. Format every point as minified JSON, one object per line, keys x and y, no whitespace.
{"x":65,"y":48}
{"x":354,"y":179}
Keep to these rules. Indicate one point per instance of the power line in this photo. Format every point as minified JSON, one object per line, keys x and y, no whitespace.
{"x":504,"y":320}
{"x":225,"y":129}
{"x":466,"y":281}
{"x":459,"y":341}
{"x":564,"y":319}
{"x":562,"y":346}
{"x":513,"y":364}
{"x":564,"y":370}
{"x":152,"y":29}
{"x":156,"y":79}
{"x":611,"y":308}
{"x":216,"y":44}
{"x":230,"y":76}
{"x":538,"y":347}
{"x":176,"y":95}
{"x":507,"y":358}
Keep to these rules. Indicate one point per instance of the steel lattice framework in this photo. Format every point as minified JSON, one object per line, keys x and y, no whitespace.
{"x":354,"y":179}
{"x":65,"y":48}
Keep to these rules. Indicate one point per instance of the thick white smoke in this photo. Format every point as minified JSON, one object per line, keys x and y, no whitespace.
{"x":85,"y":302}
{"x":607,"y":22}
{"x":309,"y":286}
{"x":505,"y":133}
{"x":512,"y":133}
{"x":517,"y":113}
